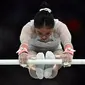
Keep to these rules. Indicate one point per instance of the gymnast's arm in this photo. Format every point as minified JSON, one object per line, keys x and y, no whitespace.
{"x":25,"y":36}
{"x":65,"y":35}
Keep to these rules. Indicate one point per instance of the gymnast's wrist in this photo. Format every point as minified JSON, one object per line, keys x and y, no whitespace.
{"x":23,"y":49}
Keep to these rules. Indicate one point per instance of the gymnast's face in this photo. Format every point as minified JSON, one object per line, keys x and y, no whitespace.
{"x":44,"y":32}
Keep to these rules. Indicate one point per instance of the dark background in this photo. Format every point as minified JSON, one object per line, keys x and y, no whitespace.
{"x":14,"y":14}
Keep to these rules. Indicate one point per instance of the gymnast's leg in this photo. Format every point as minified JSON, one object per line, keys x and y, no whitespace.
{"x":36,"y":71}
{"x":51,"y":71}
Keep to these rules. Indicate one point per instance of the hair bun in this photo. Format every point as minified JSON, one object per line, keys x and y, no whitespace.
{"x":44,"y":5}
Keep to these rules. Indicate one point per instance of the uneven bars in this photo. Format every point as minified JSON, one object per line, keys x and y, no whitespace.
{"x":45,"y":61}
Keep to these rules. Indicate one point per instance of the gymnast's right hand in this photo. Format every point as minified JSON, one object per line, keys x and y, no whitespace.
{"x":23,"y":55}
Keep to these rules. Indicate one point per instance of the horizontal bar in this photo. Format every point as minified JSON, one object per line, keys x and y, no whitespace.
{"x":45,"y":61}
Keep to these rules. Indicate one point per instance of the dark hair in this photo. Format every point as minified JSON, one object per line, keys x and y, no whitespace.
{"x":44,"y":4}
{"x":44,"y":18}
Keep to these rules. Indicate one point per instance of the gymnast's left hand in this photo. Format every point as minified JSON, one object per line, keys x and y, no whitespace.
{"x":66,"y":59}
